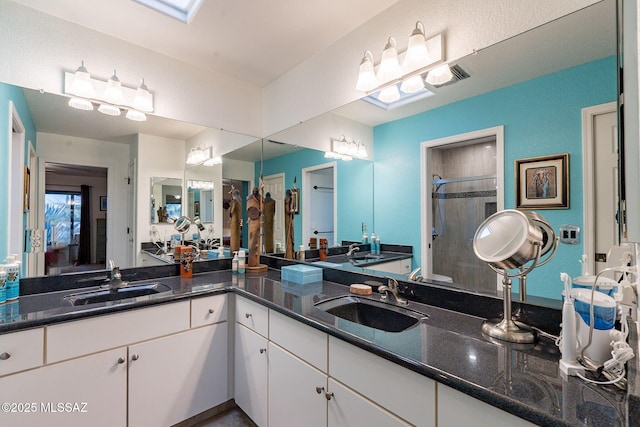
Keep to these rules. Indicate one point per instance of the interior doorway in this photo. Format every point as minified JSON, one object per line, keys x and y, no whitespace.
{"x":75,"y":212}
{"x":600,"y":184}
{"x":319,"y":204}
{"x":462,"y":185}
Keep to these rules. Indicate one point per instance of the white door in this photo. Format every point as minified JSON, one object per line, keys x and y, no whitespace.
{"x":318,"y":204}
{"x":605,"y":128}
{"x":131,"y":215}
{"x":274,"y":184}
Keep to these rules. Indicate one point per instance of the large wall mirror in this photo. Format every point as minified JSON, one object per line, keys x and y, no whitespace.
{"x":538,"y":88}
{"x":535,"y":86}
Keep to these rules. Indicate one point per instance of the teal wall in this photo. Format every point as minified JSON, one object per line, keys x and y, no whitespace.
{"x":354,"y":184}
{"x":14,"y":94}
{"x":540,"y":117}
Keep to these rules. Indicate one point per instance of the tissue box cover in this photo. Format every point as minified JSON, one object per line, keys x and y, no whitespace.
{"x":301,"y":274}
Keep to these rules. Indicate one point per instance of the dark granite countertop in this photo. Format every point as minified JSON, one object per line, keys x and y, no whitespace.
{"x":448,"y":347}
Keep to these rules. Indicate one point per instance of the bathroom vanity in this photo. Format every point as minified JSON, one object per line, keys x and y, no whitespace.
{"x":161,"y":359}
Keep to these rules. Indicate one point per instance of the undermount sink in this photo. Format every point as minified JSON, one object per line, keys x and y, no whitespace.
{"x":124,"y":292}
{"x":356,"y":259}
{"x":372,"y":313}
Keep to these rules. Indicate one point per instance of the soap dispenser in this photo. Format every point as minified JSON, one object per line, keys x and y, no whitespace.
{"x":234,"y":263}
{"x":241,"y":262}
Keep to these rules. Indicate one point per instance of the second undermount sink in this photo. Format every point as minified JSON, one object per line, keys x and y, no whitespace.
{"x":124,"y":292}
{"x":372,"y":313}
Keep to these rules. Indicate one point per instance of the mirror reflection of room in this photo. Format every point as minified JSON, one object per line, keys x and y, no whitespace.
{"x":75,"y":218}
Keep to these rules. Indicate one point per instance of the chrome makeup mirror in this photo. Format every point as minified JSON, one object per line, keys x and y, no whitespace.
{"x":510,"y":240}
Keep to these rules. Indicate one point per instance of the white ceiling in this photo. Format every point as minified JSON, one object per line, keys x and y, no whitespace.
{"x":255,"y":41}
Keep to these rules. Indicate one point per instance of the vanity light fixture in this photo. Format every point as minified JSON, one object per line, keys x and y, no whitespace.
{"x":389,"y":64}
{"x":367,"y":79}
{"x":111,"y":96}
{"x":394,"y":83}
{"x":213,"y":161}
{"x":198,"y":155}
{"x":343,"y":149}
{"x":417,"y":55}
{"x":439,"y":75}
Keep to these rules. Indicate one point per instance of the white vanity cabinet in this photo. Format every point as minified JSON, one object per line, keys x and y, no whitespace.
{"x":21,"y":350}
{"x":139,"y":367}
{"x":251,"y":359}
{"x":176,"y":377}
{"x":405,"y":393}
{"x":87,"y":391}
{"x":401,"y":266}
{"x":458,"y":409}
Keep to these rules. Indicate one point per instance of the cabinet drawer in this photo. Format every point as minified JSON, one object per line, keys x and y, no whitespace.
{"x":305,"y":342}
{"x":408,"y":394}
{"x":208,"y":310}
{"x":21,"y":350}
{"x":80,"y":337}
{"x":253,"y":315}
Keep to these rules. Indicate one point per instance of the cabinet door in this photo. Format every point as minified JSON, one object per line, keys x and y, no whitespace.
{"x":459,"y":409}
{"x":89,"y":391}
{"x":296,"y":391}
{"x":251,"y":374}
{"x":177,"y":377}
{"x":347,"y":408}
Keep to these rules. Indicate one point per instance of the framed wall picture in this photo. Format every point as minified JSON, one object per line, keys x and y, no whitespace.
{"x":542,"y":182}
{"x":103,"y":203}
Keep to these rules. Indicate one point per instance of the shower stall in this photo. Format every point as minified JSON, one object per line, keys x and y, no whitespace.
{"x":463,"y":195}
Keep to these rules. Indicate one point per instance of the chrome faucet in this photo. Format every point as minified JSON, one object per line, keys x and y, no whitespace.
{"x":115,"y":278}
{"x":352,"y":249}
{"x":391,"y":292}
{"x":414,"y":275}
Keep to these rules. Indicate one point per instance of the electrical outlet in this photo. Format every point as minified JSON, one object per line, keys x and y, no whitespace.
{"x":569,"y":234}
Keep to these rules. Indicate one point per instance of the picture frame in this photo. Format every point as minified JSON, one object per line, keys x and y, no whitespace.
{"x":542,"y":182}
{"x":103,"y":203}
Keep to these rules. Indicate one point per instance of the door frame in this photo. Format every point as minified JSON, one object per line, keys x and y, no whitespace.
{"x":588,"y":177}
{"x":306,"y":198}
{"x":15,"y":218}
{"x":426,"y":217}
{"x":278,"y":177}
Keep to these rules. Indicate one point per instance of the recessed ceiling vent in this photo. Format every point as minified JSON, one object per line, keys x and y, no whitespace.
{"x":458,"y":74}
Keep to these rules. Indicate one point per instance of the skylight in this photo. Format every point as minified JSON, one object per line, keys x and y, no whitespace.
{"x":184,"y":10}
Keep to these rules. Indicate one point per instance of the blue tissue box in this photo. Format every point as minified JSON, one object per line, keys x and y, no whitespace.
{"x":301,"y":274}
{"x":302,"y":290}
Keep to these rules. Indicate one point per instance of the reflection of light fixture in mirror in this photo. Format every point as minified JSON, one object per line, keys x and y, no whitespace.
{"x":213,"y":161}
{"x":389,"y":94}
{"x":389,"y":65}
{"x":198,"y":155}
{"x":200,"y":185}
{"x":509,"y":240}
{"x":412,"y":84}
{"x":367,"y":79}
{"x":81,"y":104}
{"x":417,"y":55}
{"x":108,"y":109}
{"x":439,"y":75}
{"x":136,"y":116}
{"x":342,"y":148}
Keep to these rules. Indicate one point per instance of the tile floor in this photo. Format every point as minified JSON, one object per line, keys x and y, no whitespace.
{"x":233,"y":417}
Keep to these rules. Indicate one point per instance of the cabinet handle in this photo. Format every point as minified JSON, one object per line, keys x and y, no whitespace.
{"x":5,"y":356}
{"x":262,"y":350}
{"x":328,"y":395}
{"x":211,"y":310}
{"x":135,"y":357}
{"x":319,"y":390}
{"x":120,"y":360}
{"x":247,"y":315}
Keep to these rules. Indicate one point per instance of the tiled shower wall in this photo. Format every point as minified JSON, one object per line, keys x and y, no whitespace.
{"x":459,"y":208}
